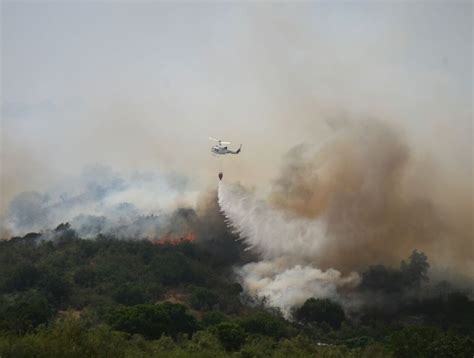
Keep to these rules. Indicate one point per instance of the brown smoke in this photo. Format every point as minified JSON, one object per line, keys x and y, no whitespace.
{"x":367,"y":187}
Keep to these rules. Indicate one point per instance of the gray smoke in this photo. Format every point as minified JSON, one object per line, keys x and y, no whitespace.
{"x":101,"y":201}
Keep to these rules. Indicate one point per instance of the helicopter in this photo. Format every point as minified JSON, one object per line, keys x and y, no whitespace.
{"x":221,"y":147}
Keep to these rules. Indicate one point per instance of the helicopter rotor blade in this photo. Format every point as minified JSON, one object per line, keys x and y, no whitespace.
{"x":218,"y":140}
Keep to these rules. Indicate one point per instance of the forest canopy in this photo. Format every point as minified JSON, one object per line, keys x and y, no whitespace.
{"x":109,"y":297}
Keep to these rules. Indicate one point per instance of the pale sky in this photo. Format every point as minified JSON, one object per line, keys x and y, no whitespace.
{"x":141,"y":86}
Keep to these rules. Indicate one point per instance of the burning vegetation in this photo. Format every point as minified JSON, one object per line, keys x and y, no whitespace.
{"x":169,"y":239}
{"x":182,"y":290}
{"x":335,"y":261}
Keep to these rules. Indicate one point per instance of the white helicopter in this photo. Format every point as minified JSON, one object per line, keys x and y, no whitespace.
{"x":221,"y":147}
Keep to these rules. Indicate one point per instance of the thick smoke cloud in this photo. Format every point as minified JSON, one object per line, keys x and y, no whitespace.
{"x":298,"y":64}
{"x":334,"y":210}
{"x":374,"y":199}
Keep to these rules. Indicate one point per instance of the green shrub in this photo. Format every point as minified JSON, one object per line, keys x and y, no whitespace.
{"x":202,"y":299}
{"x":321,"y":310}
{"x":213,"y":318}
{"x":152,"y":321}
{"x":26,"y":311}
{"x":231,"y":335}
{"x":266,"y":324}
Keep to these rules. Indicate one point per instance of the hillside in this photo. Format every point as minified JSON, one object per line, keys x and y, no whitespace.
{"x":115,"y":298}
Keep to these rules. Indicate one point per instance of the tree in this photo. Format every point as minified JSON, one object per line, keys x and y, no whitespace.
{"x":55,"y":287}
{"x":203,"y":299}
{"x":129,"y":295}
{"x":22,"y":277}
{"x":213,"y":318}
{"x":387,"y":280}
{"x":266,"y":324}
{"x":85,"y":277}
{"x":383,"y":279}
{"x":321,"y":310}
{"x":205,"y":342}
{"x":29,"y":309}
{"x":152,"y":321}
{"x":172,"y":268}
{"x":415,"y":270}
{"x":425,"y":342}
{"x":231,"y":335}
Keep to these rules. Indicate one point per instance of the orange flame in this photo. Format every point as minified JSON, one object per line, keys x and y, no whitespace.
{"x":168,"y":239}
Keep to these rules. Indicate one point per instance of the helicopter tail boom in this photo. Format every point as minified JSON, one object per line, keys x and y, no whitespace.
{"x":237,"y":151}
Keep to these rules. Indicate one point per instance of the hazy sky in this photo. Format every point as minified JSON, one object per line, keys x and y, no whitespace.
{"x":141,"y":86}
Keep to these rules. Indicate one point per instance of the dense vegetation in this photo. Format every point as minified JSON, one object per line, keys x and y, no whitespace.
{"x":70,"y":297}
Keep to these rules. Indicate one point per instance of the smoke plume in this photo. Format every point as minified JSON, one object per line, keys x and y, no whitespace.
{"x":101,"y":201}
{"x":285,"y":277}
{"x":335,"y":209}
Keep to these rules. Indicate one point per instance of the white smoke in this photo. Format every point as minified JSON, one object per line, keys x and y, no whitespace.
{"x":270,"y":232}
{"x":289,"y":246}
{"x":101,"y":201}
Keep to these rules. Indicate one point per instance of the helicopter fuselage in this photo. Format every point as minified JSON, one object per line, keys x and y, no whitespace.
{"x":219,"y":149}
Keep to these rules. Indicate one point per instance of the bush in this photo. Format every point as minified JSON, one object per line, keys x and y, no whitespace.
{"x":203,"y":341}
{"x":152,"y":321}
{"x":231,"y":335}
{"x":382,"y":279}
{"x":321,"y":310}
{"x":55,"y":287}
{"x":27,"y":311}
{"x":85,"y":277}
{"x":213,"y":318}
{"x":21,"y":277}
{"x":258,"y":347}
{"x":203,"y":299}
{"x":266,"y":324}
{"x":171,"y":268}
{"x":422,"y":341}
{"x":69,"y":337}
{"x":130,"y":295}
